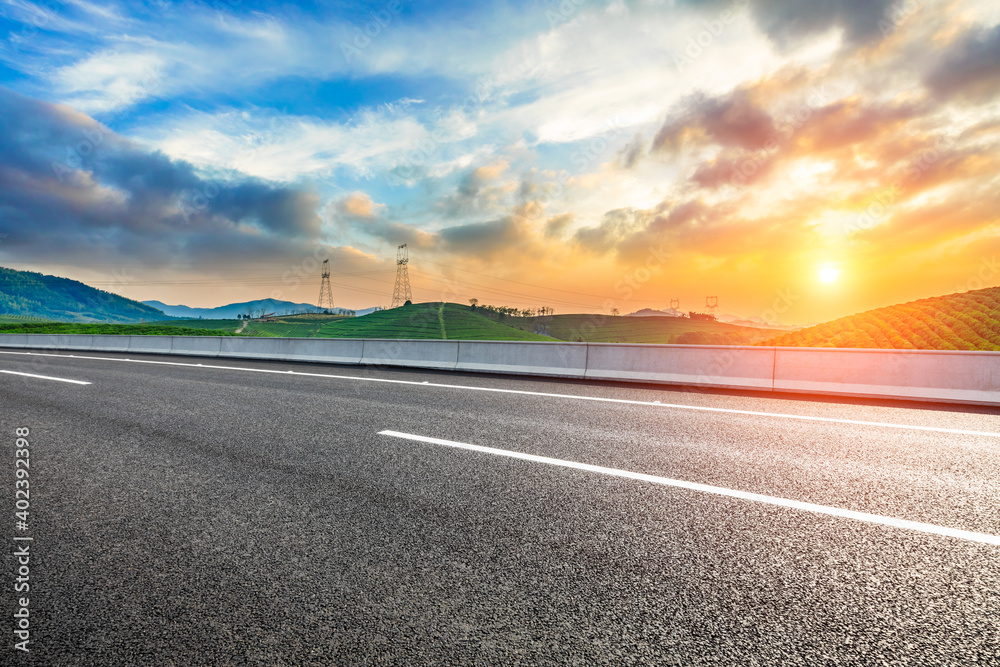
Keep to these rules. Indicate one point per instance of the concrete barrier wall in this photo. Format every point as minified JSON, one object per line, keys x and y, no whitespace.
{"x":151,"y":344}
{"x":254,"y":348}
{"x":523,"y":358}
{"x":437,"y":354}
{"x":198,"y":346}
{"x":15,"y":340}
{"x":946,"y":376}
{"x":326,"y":350}
{"x":98,"y":343}
{"x":697,"y":365}
{"x":959,"y":377}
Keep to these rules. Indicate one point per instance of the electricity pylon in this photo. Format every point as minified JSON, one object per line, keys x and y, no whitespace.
{"x":712,"y":302}
{"x":325,"y":290}
{"x":401,"y":292}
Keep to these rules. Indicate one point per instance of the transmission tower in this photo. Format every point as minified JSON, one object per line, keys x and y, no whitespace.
{"x":712,"y":302}
{"x":401,"y":292}
{"x":675,"y":304}
{"x":325,"y":291}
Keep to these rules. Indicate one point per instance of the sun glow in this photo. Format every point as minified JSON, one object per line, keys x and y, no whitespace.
{"x":828,"y":274}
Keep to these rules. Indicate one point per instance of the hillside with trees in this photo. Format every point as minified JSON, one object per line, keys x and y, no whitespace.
{"x":30,"y":294}
{"x":966,"y":321}
{"x":615,"y":328}
{"x":425,"y":320}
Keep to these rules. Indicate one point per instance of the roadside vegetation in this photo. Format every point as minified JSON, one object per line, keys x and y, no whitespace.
{"x":599,"y":328}
{"x":219,"y":325}
{"x":967,"y":321}
{"x":450,"y":321}
{"x":106,"y":329}
{"x":426,"y":320}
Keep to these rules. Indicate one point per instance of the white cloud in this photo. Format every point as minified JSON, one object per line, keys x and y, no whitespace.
{"x":110,"y":80}
{"x":285,"y":148}
{"x":201,"y":50}
{"x":623,"y":69}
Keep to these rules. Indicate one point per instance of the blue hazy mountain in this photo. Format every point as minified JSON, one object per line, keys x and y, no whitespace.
{"x":232,"y":310}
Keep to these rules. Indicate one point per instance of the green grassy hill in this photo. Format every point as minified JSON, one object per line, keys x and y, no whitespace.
{"x":449,"y":321}
{"x":305,"y":325}
{"x":25,"y":293}
{"x":621,"y":329}
{"x":156,"y":329}
{"x":224,"y":325}
{"x":968,"y":321}
{"x":16,"y":319}
{"x":281,"y":329}
{"x":288,"y":326}
{"x":425,"y":320}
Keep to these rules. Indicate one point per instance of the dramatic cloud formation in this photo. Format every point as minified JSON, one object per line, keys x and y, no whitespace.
{"x":76,"y":192}
{"x":790,"y":20}
{"x":970,"y":67}
{"x":527,"y":154}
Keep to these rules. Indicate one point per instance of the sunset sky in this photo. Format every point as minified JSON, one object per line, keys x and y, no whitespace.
{"x":799,"y":160}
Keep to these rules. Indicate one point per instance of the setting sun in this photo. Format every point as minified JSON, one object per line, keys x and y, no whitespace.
{"x":828,"y":274}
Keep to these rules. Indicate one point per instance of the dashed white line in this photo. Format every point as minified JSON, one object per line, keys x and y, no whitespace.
{"x":576,"y":397}
{"x":45,"y":377}
{"x":971,"y":536}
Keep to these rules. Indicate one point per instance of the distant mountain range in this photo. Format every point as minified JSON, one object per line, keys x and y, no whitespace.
{"x":754,"y":322}
{"x":233,"y":310}
{"x":649,"y":312}
{"x":30,"y":294}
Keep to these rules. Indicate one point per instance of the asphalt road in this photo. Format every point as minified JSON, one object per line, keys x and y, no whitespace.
{"x":185,"y":515}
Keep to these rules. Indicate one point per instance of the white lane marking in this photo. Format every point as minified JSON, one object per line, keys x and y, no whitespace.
{"x":44,"y":377}
{"x":575,"y":397}
{"x":971,"y":536}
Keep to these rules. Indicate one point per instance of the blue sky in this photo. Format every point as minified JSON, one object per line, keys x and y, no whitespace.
{"x":579,"y":154}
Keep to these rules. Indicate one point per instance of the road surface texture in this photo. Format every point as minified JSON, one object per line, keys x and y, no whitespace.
{"x":189,"y":511}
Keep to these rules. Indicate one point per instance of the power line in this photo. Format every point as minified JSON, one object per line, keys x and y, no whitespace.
{"x":554,"y":289}
{"x":520,"y":295}
{"x":506,"y":293}
{"x":402,"y":282}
